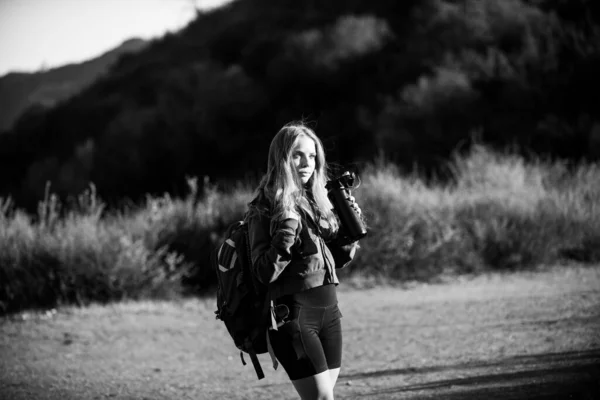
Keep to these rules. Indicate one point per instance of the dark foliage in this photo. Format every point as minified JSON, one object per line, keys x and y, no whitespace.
{"x":410,"y":79}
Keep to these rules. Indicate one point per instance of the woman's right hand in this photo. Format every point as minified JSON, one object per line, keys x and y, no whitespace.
{"x":354,"y":206}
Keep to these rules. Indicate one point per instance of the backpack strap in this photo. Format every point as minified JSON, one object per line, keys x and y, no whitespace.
{"x":254,"y":358}
{"x":250,"y":349}
{"x":268,"y":312}
{"x":271,"y":352}
{"x":271,"y":310}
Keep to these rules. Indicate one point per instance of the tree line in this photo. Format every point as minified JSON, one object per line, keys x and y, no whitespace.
{"x":414,"y":81}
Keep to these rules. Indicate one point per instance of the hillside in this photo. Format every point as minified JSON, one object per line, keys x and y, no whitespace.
{"x":413,"y":80}
{"x":20,"y":91}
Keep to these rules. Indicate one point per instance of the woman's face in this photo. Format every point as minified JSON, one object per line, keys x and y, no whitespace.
{"x":304,"y":155}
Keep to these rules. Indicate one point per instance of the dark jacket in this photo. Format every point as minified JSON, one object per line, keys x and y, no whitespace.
{"x":293,"y":254}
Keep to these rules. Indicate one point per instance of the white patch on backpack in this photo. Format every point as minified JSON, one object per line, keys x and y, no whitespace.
{"x":229,"y":256}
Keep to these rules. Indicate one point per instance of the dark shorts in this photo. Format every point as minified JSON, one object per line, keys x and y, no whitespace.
{"x":310,"y":342}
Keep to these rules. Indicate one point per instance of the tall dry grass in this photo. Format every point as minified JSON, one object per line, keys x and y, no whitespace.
{"x":499,"y":212}
{"x":87,"y":254}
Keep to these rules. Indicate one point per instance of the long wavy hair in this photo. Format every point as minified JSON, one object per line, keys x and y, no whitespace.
{"x":282,"y":185}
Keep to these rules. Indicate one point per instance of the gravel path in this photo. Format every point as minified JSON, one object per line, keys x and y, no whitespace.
{"x":519,"y":336}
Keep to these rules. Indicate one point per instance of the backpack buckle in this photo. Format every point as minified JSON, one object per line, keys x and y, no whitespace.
{"x":282,"y":312}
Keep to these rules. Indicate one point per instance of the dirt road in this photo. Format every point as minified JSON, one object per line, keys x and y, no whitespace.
{"x":521,"y":336}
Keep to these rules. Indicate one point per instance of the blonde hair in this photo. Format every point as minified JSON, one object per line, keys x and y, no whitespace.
{"x":283,"y":187}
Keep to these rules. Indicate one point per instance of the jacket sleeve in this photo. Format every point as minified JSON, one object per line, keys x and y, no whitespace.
{"x":271,"y":254}
{"x":342,"y":252}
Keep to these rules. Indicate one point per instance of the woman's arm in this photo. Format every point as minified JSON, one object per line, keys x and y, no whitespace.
{"x":270,"y":255}
{"x":342,"y":248}
{"x":342,"y":252}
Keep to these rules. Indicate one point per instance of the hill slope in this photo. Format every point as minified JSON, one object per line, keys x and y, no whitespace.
{"x":19,"y":90}
{"x":411,"y":79}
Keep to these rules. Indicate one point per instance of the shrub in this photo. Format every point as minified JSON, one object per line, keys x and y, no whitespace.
{"x":85,"y":254}
{"x":499,"y":213}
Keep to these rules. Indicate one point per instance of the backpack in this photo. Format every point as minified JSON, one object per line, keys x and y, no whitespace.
{"x":243,"y":303}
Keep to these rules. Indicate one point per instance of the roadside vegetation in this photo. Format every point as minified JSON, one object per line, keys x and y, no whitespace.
{"x":499,"y":212}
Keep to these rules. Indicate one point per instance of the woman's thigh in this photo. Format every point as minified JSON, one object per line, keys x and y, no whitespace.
{"x":330,"y":336}
{"x":309,"y":344}
{"x":297,"y":344}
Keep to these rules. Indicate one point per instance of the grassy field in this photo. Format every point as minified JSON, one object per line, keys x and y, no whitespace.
{"x":527,"y":335}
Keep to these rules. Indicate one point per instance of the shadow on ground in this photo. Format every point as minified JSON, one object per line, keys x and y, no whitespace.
{"x":568,"y":375}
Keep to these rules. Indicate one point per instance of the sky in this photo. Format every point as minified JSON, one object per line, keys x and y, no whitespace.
{"x":41,"y":34}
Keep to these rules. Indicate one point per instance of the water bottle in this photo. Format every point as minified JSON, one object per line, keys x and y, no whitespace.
{"x":338,"y":191}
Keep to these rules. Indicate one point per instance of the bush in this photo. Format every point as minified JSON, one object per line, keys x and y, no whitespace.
{"x":350,"y":37}
{"x":499,"y":213}
{"x":85,"y":254}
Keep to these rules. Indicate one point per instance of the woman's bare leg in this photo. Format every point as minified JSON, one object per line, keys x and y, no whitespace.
{"x":333,"y":375}
{"x":316,"y":387}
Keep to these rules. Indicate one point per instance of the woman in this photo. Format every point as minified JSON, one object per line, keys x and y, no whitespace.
{"x":296,"y":245}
